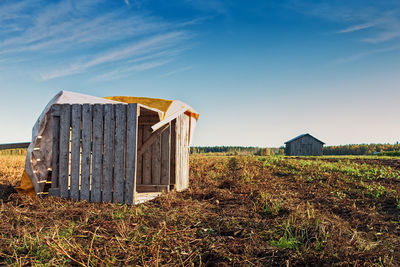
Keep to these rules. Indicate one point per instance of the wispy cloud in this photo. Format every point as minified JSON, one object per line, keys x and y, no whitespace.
{"x":161,"y":41}
{"x":357,"y":28}
{"x":129,"y":71}
{"x":214,"y":6}
{"x":175,"y":71}
{"x":376,"y":23}
{"x":364,"y":54}
{"x":380,"y":19}
{"x":383,"y":28}
{"x":83,"y":35}
{"x":146,"y":62}
{"x":384,"y":36}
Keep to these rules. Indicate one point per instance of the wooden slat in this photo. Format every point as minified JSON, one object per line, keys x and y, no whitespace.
{"x":149,"y":119}
{"x":147,"y":123}
{"x":149,"y":140}
{"x":181,"y":144}
{"x":179,"y":153}
{"x":156,"y":161}
{"x":54,"y":192}
{"x":165,"y":156}
{"x":182,"y":153}
{"x":75,"y":150}
{"x":172,"y":176}
{"x":131,"y":150}
{"x":55,"y":146}
{"x":146,"y":169}
{"x":109,"y":126}
{"x":65,"y":123}
{"x":95,"y":192}
{"x":119,"y":170}
{"x":152,"y":188}
{"x":86,"y":151}
{"x":185,"y":152}
{"x":139,"y":175}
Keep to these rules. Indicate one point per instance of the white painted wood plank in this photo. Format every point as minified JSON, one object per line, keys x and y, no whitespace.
{"x":131,"y":150}
{"x":179,"y":153}
{"x":172,"y":176}
{"x":144,"y":197}
{"x":185,"y":147}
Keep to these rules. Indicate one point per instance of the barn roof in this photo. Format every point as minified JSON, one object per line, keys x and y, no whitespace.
{"x":301,"y":136}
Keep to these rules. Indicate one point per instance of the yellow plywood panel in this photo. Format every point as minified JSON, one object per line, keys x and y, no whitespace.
{"x":157,"y":103}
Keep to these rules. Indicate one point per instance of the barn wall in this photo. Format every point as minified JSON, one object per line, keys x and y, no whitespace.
{"x":304,"y":146}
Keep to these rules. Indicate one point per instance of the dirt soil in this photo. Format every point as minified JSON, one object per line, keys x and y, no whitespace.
{"x":238,"y":211}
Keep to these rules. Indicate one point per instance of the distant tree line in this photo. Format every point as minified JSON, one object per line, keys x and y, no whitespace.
{"x":237,"y":150}
{"x":352,"y":149}
{"x":360,"y":149}
{"x":15,"y":151}
{"x":390,"y":153}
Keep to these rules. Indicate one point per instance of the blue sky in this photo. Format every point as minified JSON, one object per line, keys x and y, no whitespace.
{"x":258,"y":72}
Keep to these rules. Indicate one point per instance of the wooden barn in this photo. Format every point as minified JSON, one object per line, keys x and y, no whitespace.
{"x":110,"y":150}
{"x":304,"y":145}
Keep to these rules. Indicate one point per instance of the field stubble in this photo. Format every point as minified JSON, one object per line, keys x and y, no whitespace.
{"x":237,"y":211}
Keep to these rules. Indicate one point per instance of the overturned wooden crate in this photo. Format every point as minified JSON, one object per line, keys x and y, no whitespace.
{"x":109,"y":152}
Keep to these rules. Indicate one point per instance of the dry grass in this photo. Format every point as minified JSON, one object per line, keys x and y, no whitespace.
{"x":11,"y":168}
{"x":238,"y":211}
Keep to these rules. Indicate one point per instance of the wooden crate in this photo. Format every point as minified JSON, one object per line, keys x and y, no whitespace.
{"x":109,"y":153}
